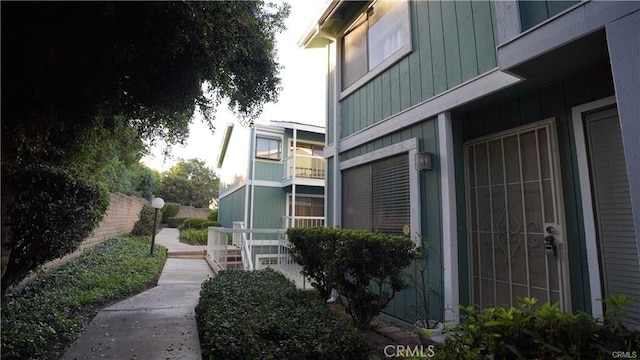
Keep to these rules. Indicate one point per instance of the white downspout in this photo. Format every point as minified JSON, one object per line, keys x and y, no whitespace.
{"x":293,"y":182}
{"x":253,"y":178}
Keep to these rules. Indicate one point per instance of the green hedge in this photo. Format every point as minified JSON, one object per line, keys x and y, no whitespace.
{"x":531,"y":331}
{"x":43,"y":317}
{"x":50,"y":216}
{"x":366,"y":268}
{"x":195,"y":236}
{"x":144,"y":225}
{"x":198,"y":223}
{"x":213,"y":215}
{"x":174,"y":222}
{"x":261,"y":315}
{"x":169,"y":210}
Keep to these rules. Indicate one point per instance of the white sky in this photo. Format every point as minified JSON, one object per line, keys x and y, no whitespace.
{"x":302,"y":98}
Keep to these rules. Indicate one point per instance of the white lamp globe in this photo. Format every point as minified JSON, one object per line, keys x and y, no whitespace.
{"x":157,"y":203}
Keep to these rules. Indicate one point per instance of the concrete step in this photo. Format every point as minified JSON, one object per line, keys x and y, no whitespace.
{"x":186,"y":254}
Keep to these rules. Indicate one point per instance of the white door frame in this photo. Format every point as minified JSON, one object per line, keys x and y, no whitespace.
{"x":590,"y":234}
{"x":550,"y":123}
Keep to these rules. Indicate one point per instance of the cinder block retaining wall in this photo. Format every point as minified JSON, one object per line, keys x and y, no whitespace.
{"x":188,"y":211}
{"x":122,"y":214}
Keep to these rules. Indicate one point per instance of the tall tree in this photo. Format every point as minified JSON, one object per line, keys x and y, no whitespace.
{"x":79,"y":77}
{"x":69,"y":68}
{"x":190,"y":182}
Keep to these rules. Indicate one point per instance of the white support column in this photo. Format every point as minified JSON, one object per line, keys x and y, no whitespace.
{"x":293,"y":186}
{"x":449,"y":219}
{"x":623,"y":39}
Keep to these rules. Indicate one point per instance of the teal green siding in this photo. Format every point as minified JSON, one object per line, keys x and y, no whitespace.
{"x":269,"y":208}
{"x":404,"y":304}
{"x":269,"y":170}
{"x":453,"y":42}
{"x":535,"y":12}
{"x":555,"y":101}
{"x":232,"y":208}
{"x":330,"y":193}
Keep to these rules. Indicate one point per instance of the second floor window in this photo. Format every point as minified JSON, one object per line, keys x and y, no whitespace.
{"x":268,"y":148}
{"x":381,"y":34}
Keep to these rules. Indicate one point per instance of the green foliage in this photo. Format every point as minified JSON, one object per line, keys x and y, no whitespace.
{"x":50,"y":216}
{"x":74,"y":67}
{"x":174,"y":222}
{"x":312,"y":248}
{"x":530,"y":331}
{"x":189,"y":182}
{"x":144,"y":225}
{"x":194,"y":236}
{"x":40,"y":319}
{"x":198,"y":223}
{"x":261,"y":315}
{"x":170,"y":210}
{"x":366,"y":268}
{"x":213,"y":215}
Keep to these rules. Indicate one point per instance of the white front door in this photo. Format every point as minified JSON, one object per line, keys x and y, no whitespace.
{"x":514,"y":217}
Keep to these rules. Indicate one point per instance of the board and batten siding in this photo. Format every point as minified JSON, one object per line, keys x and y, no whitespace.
{"x":551,"y":101}
{"x":270,"y":170}
{"x":269,"y":208}
{"x":535,"y":12}
{"x":453,"y":42}
{"x":232,"y":208}
{"x":403,"y":306}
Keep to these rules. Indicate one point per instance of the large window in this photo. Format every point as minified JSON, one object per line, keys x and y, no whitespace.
{"x":378,"y":38}
{"x":268,"y":148}
{"x":376,"y":196}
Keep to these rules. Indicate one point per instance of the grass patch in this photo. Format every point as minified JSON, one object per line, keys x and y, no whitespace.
{"x":40,"y":319}
{"x":261,"y":315}
{"x":194,"y":236}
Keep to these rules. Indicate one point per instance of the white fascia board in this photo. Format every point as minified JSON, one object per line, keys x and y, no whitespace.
{"x":578,"y":21}
{"x":473,"y":89}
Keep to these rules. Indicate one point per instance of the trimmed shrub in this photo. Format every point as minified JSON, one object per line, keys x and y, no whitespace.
{"x":366,"y":268}
{"x":174,"y":222}
{"x":50,"y":216}
{"x":198,"y":223}
{"x":195,"y":236}
{"x":170,"y":210}
{"x":213,"y":215}
{"x":312,"y":248}
{"x":261,"y":315}
{"x":539,"y":332}
{"x":41,"y":318}
{"x":144,"y":225}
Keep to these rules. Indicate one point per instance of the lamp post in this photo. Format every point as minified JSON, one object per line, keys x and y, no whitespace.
{"x":157,"y":203}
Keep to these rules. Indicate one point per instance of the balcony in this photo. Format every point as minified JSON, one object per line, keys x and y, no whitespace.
{"x":303,"y":221}
{"x":304,"y":167}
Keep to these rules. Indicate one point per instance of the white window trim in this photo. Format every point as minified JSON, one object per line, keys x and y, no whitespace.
{"x":272,"y":137}
{"x":303,"y":195}
{"x":588,"y":215}
{"x":408,"y":146}
{"x":407,"y":48}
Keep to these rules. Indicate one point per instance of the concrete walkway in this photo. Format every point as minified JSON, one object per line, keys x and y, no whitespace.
{"x":156,"y":324}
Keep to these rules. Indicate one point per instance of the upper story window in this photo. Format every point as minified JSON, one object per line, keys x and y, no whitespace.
{"x":268,"y":148}
{"x":379,"y":37}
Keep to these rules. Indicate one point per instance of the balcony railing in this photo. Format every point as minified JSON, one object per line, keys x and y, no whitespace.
{"x":260,"y":248}
{"x":304,"y":166}
{"x":303,"y":221}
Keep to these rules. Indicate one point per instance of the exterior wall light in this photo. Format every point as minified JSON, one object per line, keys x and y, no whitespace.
{"x":424,"y":161}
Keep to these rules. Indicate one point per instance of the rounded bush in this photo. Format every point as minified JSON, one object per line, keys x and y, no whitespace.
{"x":170,"y":210}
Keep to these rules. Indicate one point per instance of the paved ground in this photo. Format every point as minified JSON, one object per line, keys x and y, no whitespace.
{"x":156,"y":324}
{"x":160,"y":322}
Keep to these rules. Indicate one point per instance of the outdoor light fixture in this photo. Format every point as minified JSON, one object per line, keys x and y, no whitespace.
{"x":157,"y":203}
{"x":423,"y":161}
